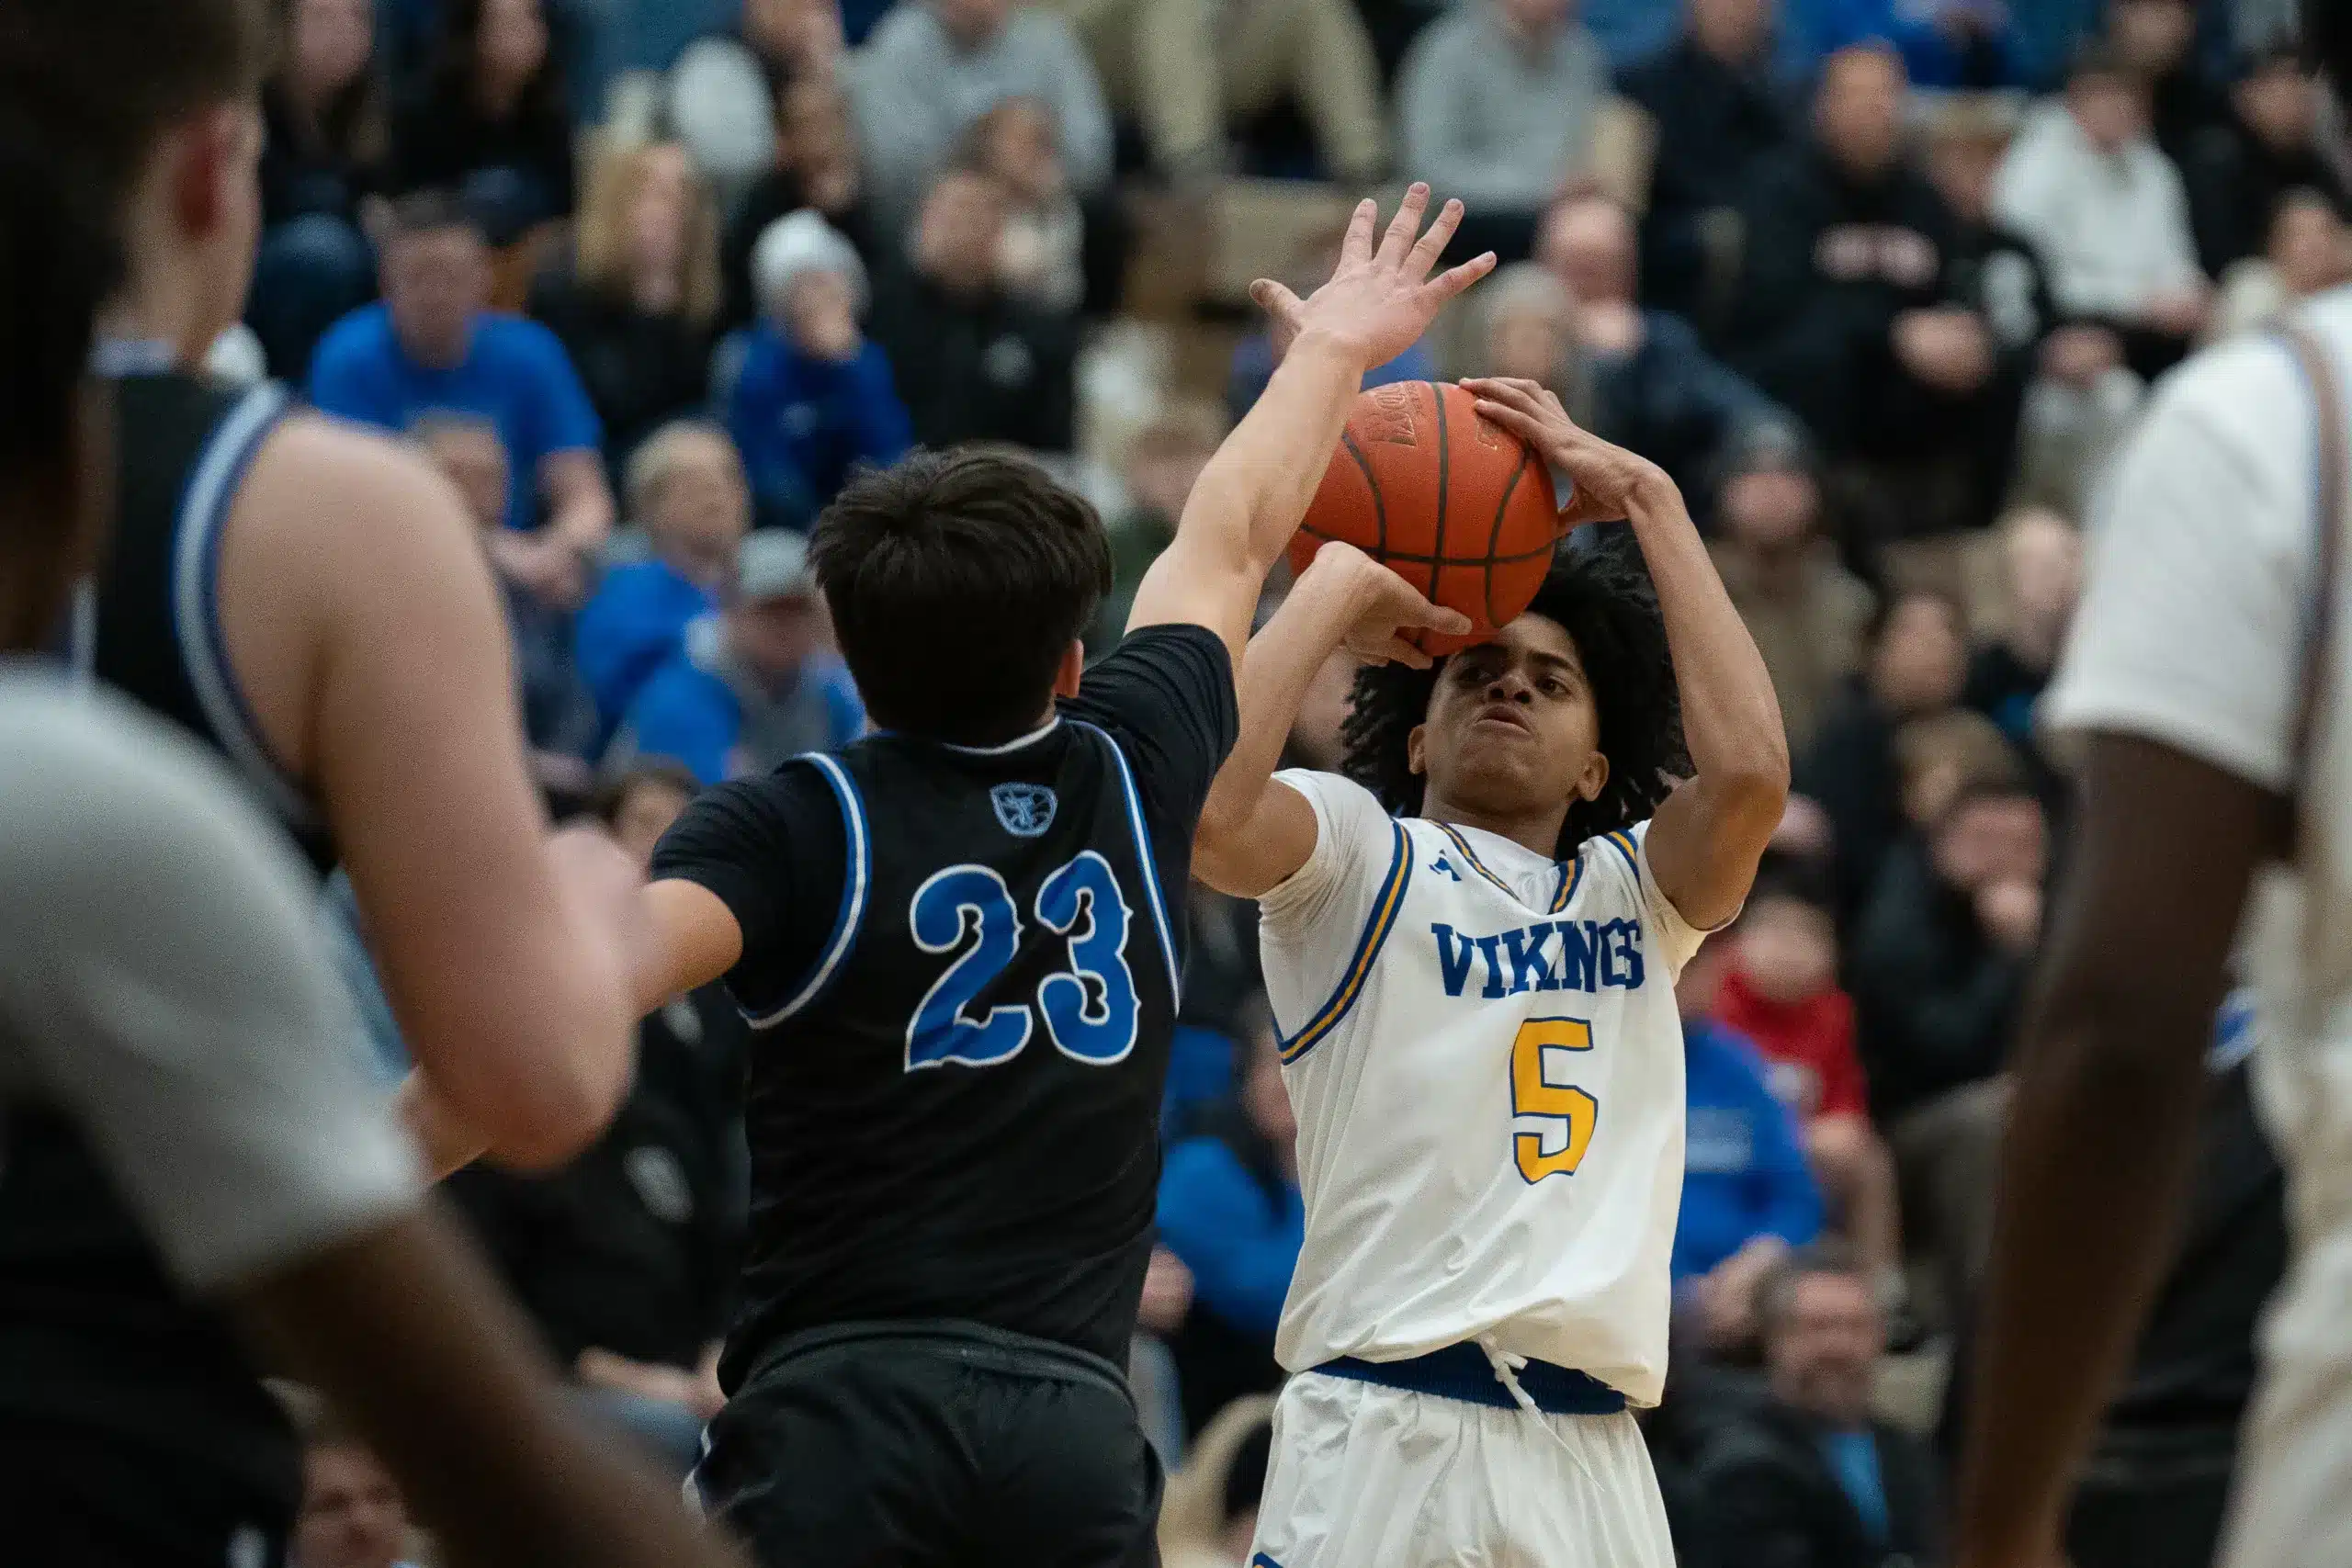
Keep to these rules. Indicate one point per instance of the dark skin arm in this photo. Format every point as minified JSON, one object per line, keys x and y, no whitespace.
{"x":403,"y":1330}
{"x":2104,"y":1134}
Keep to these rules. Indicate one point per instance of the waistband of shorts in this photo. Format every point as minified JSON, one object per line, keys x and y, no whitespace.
{"x":1464,"y":1372}
{"x":973,"y":1344}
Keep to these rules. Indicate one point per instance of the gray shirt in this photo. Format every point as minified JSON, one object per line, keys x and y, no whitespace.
{"x":1486,"y":116}
{"x":161,"y":984}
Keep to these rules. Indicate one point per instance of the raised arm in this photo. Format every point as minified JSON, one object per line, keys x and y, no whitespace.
{"x":1706,"y":838}
{"x":1252,"y":497}
{"x":1254,"y":833}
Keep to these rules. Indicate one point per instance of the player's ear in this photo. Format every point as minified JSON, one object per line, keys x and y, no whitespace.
{"x":1416,"y":750}
{"x":1073,"y":665}
{"x":1594,"y":779}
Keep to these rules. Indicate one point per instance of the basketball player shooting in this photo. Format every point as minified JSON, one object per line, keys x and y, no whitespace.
{"x":955,"y":938}
{"x":1470,"y":945}
{"x":2206,"y":683}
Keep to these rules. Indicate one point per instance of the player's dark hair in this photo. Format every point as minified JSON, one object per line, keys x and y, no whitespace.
{"x":1798,"y":879}
{"x":957,"y":581}
{"x":454,"y":69}
{"x":431,"y":208}
{"x":1600,"y":593}
{"x":1776,"y":1292}
{"x":59,"y":261}
{"x":102,"y":79}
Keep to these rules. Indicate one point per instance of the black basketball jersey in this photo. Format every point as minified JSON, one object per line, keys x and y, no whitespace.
{"x":93,"y":1332}
{"x":955,"y":1092}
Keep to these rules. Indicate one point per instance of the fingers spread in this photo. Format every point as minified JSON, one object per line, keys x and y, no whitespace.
{"x":1453,"y":280}
{"x":1432,"y":245}
{"x":1405,"y":225}
{"x":1275,"y":299}
{"x":1357,"y":247}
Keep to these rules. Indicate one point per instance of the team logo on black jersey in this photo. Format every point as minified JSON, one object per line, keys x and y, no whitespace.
{"x":1025,"y":809}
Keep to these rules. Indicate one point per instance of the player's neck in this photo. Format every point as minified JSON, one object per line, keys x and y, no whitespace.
{"x":1539,"y":832}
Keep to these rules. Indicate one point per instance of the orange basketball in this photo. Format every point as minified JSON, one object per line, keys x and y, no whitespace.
{"x":1457,"y":507}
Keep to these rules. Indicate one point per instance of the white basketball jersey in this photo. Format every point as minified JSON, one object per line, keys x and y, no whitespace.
{"x":1482,"y":1047}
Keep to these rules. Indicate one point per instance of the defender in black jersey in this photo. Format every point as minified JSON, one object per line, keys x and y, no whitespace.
{"x":957,"y":939}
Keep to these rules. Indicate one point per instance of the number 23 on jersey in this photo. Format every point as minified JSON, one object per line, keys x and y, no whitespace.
{"x":1089,"y":1007}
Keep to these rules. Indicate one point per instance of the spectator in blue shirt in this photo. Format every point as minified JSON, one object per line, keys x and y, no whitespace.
{"x":685,"y":490}
{"x":1747,"y":1194}
{"x":751,"y":687}
{"x":1230,"y":1209}
{"x":434,"y":347}
{"x":1945,"y":43}
{"x":815,"y":396}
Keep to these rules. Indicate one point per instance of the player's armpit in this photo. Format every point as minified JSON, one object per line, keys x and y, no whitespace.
{"x":1248,"y":849}
{"x":694,"y":940}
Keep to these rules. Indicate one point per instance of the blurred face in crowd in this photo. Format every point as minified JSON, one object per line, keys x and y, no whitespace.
{"x":1511,"y":726}
{"x":511,"y":45}
{"x":1589,"y":244}
{"x":330,"y":44}
{"x":2309,"y":245}
{"x":2152,"y":36}
{"x":812,"y":124}
{"x":2278,"y":103}
{"x":471,"y":454}
{"x":1921,"y":656}
{"x":1529,"y":338}
{"x":2041,"y":555}
{"x":1023,"y":152}
{"x":1963,"y":167}
{"x":436,"y":282}
{"x":1787,"y":949}
{"x":974,"y":21}
{"x":2112,"y":110}
{"x":1770,"y":510}
{"x":779,"y":28}
{"x":353,"y":1515}
{"x":645,"y":814}
{"x":775,"y":636}
{"x":1860,"y":109}
{"x":699,"y":512}
{"x":1989,"y":838}
{"x":961,"y":227}
{"x":1535,"y":19}
{"x":1823,"y":1346}
{"x":1731,"y":30}
{"x":658,"y":207}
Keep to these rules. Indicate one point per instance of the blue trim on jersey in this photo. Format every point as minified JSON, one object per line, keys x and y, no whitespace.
{"x":1476,"y":864}
{"x":1571,"y":878}
{"x":1384,"y":906}
{"x":1623,"y":842}
{"x":853,"y":884}
{"x":1150,"y":862}
{"x":1262,"y":1560}
{"x":205,"y":504}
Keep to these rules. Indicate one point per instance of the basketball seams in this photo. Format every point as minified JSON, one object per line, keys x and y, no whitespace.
{"x":1410,"y":559}
{"x":1372,"y":482}
{"x":1495,"y":538}
{"x":1444,"y":478}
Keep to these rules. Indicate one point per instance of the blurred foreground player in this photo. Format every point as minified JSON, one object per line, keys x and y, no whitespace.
{"x":956,"y":938}
{"x":2209,"y":683}
{"x":311,"y":602}
{"x":164,"y":997}
{"x":1471,"y":943}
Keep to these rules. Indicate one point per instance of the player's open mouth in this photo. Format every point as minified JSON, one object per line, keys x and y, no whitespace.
{"x":1503,"y":713}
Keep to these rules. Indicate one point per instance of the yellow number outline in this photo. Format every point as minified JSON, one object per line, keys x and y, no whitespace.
{"x":1534,"y":1094}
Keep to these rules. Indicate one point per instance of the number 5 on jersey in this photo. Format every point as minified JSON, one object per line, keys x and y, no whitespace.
{"x":1564,"y":1115}
{"x":1091,"y":1008}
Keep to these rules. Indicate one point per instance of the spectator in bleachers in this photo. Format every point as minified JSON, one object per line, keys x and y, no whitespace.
{"x":1060,"y":253}
{"x":1810,"y":1478}
{"x":815,"y":170}
{"x":2104,"y":205}
{"x":1945,"y":44}
{"x":1500,"y":102}
{"x":1781,"y":993}
{"x":1918,"y":659}
{"x":725,"y":95}
{"x":935,"y":66}
{"x":815,"y":396}
{"x":1939,"y":962}
{"x":2237,"y":173}
{"x":353,"y":1514}
{"x":1191,"y":71}
{"x":326,"y":133}
{"x":559,"y":715}
{"x":2154,"y":42}
{"x":686,"y":491}
{"x":2042,"y":576}
{"x":1164,"y":459}
{"x":626,"y":1257}
{"x":973,"y":361}
{"x":491,"y":118}
{"x":1253,"y":356}
{"x":1808,"y":612}
{"x":1230,"y":1208}
{"x":1937,"y":758}
{"x":2308,"y":251}
{"x":1846,"y":312}
{"x":751,"y":687}
{"x":433,"y":345}
{"x":637,"y":308}
{"x":1747,"y":1194}
{"x":1718,"y":114}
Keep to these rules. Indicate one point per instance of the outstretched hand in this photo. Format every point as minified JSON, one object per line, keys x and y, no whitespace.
{"x":1379,"y":301}
{"x":1605,"y":477}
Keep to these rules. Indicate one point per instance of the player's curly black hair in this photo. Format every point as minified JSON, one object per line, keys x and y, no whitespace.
{"x":1599,"y":591}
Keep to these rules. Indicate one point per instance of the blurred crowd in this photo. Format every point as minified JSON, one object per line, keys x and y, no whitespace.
{"x":1883,"y":283}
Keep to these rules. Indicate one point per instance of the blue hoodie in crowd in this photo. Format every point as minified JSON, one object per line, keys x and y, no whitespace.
{"x":802,"y":423}
{"x":702,"y":708}
{"x":1238,"y":1230}
{"x":1744,"y":1172}
{"x":634,"y":623}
